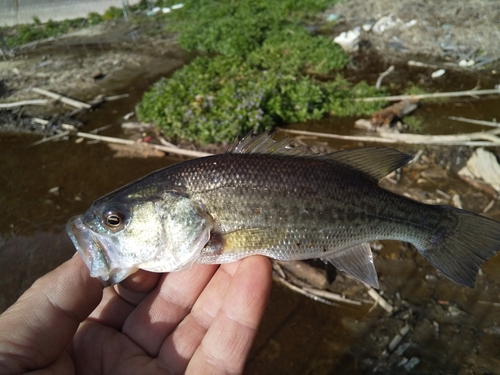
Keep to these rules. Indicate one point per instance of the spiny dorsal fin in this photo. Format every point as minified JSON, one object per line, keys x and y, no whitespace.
{"x":376,"y":162}
{"x":265,"y":144}
{"x":356,"y":261}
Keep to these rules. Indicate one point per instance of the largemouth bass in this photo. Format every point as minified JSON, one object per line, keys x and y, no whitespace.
{"x":264,"y":197}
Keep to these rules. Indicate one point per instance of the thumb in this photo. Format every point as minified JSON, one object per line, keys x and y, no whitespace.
{"x":40,"y":325}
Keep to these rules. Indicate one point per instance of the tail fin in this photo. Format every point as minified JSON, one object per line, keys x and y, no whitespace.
{"x":459,"y":250}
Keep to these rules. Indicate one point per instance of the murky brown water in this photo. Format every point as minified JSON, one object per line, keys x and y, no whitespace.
{"x":453,"y":330}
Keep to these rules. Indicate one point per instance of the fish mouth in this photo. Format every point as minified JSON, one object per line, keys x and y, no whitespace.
{"x":90,"y":249}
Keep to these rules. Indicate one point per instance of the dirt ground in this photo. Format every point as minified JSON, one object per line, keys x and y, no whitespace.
{"x":434,"y":327}
{"x":452,"y":30}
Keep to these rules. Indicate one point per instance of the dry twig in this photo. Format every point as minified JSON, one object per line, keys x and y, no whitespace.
{"x":24,"y":102}
{"x":66,"y":100}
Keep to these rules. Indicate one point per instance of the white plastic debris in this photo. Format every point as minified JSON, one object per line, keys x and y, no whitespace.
{"x":367,"y":26}
{"x":464,"y":63}
{"x":166,"y":10}
{"x":385,"y":23}
{"x":332,"y":17}
{"x":153,"y":11}
{"x":177,"y":6}
{"x":409,"y":24}
{"x":348,"y":40}
{"x":482,"y":165}
{"x":438,"y":73}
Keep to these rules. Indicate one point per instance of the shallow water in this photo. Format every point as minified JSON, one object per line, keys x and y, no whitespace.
{"x":452,"y":331}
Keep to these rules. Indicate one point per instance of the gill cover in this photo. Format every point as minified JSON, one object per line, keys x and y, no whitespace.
{"x":161,"y":234}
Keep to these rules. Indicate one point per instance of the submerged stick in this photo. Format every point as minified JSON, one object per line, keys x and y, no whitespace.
{"x":380,"y":300}
{"x":394,"y":98}
{"x":51,"y":138}
{"x":173,"y":150}
{"x":472,"y":121}
{"x":64,"y":99}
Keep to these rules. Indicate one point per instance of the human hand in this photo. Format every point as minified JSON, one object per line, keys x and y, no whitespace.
{"x":202,"y":320}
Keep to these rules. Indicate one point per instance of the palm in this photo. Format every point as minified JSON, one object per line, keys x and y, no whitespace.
{"x":202,"y":318}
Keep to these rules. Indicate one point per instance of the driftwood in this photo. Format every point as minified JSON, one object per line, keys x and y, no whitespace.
{"x":395,"y":98}
{"x":63,"y":99}
{"x":24,"y":102}
{"x":471,"y":139}
{"x":482,"y":171}
{"x":386,"y":116}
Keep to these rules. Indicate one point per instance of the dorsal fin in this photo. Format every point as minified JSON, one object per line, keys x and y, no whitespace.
{"x":265,"y":144}
{"x":376,"y":162}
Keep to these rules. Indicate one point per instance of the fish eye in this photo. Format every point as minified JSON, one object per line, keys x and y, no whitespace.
{"x":114,"y":220}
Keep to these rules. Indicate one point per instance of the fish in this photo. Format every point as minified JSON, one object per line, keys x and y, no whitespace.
{"x":267,"y":197}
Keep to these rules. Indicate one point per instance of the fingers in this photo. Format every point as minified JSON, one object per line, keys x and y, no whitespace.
{"x":162,"y":310}
{"x":226,"y":345}
{"x":47,"y":315}
{"x":179,"y":347}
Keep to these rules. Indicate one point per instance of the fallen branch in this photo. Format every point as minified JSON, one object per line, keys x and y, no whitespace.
{"x":470,"y":139}
{"x":382,"y":76}
{"x":472,"y":121}
{"x":395,"y":98}
{"x":332,"y":296}
{"x":303,"y":292}
{"x":445,"y":139}
{"x":24,"y":102}
{"x":66,"y":100}
{"x":173,"y":150}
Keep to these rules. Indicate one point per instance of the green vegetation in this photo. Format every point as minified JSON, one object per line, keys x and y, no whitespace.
{"x":266,"y":67}
{"x":22,"y":34}
{"x":218,"y":99}
{"x":415,"y":123}
{"x":269,"y":70}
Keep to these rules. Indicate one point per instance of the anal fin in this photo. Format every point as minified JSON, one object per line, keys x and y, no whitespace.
{"x":356,"y":261}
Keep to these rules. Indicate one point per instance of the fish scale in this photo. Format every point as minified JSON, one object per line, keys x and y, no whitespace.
{"x":264,"y":197}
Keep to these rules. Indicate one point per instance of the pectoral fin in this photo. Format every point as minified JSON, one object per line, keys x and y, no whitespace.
{"x":356,"y":261}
